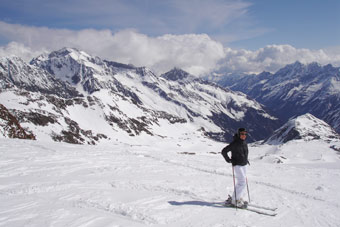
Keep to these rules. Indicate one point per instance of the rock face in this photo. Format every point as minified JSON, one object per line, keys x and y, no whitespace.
{"x":305,"y":127}
{"x":71,"y":96}
{"x":10,"y":127}
{"x":295,"y":90}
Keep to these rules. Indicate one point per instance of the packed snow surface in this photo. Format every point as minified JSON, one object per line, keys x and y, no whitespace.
{"x":164,"y":182}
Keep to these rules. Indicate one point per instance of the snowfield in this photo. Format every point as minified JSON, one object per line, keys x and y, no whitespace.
{"x":150,"y":181}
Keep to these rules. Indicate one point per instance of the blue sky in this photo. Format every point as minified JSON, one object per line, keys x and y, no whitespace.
{"x":310,"y":28}
{"x":304,"y":24}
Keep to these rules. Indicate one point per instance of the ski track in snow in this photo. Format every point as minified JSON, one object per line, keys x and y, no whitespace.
{"x":266,"y":184}
{"x":56,"y":184}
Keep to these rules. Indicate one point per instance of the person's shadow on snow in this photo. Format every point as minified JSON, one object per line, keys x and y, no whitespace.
{"x":197,"y":203}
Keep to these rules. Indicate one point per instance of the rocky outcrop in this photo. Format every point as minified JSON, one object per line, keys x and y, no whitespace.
{"x":10,"y":126}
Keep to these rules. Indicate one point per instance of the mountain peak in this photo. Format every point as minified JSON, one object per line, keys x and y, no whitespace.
{"x":297,"y":64}
{"x":176,"y":74}
{"x":75,"y":54}
{"x":73,"y":66}
{"x":306,"y":127}
{"x":291,"y":69}
{"x":298,"y":67}
{"x":66,"y":53}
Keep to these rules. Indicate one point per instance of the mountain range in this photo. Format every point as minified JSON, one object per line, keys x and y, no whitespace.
{"x":294,"y":90}
{"x":71,"y":96}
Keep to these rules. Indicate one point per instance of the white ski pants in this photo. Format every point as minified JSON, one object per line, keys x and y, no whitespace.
{"x":241,"y":182}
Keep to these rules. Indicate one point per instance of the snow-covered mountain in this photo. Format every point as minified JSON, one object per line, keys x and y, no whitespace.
{"x":70,"y":96}
{"x":15,"y":72}
{"x":295,"y":90}
{"x":305,"y":127}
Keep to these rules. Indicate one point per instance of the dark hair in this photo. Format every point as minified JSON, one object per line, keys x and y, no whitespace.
{"x":241,"y":130}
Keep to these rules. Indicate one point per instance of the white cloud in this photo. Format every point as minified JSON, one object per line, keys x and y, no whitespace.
{"x":273,"y":57}
{"x":196,"y":53}
{"x":20,"y":50}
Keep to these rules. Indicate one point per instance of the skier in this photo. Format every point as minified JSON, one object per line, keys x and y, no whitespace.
{"x":239,"y":159}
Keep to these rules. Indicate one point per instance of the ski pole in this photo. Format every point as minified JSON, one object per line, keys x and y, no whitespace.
{"x":234,"y":188}
{"x":248,"y":189}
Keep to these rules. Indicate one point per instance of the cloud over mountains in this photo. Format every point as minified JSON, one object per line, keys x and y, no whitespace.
{"x":198,"y":54}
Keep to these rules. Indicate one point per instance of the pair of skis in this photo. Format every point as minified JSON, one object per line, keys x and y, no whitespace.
{"x":269,"y":211}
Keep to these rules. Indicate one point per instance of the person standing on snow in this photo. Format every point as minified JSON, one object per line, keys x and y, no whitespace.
{"x":239,"y":159}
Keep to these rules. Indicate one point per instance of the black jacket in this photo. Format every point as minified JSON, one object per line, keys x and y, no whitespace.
{"x":239,"y":152}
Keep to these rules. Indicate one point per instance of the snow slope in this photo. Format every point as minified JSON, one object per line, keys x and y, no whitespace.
{"x":163,"y":182}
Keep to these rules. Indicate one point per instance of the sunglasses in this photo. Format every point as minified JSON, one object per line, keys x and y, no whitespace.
{"x":243,"y":134}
